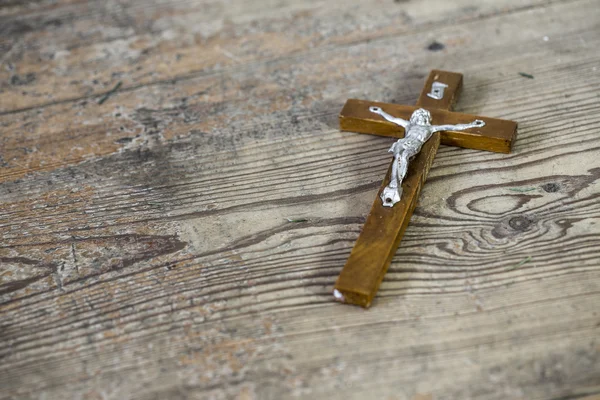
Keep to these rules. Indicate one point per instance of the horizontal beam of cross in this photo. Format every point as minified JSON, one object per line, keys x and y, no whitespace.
{"x":497,"y":135}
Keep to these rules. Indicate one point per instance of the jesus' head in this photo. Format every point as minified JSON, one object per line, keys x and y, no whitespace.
{"x":420,"y":117}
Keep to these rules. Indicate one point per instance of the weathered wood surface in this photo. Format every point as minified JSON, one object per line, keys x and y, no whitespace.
{"x":145,"y":248}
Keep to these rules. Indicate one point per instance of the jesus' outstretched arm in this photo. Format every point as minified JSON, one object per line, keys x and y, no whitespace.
{"x":458,"y":127}
{"x":398,"y":121}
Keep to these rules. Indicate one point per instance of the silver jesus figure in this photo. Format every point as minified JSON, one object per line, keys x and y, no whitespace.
{"x":417,"y":131}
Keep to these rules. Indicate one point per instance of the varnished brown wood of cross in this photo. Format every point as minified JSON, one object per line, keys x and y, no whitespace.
{"x":381,"y":235}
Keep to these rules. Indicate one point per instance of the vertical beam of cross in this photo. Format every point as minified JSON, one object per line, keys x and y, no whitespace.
{"x":384,"y":228}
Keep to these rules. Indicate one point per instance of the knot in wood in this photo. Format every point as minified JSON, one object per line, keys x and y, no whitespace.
{"x":551,"y":187}
{"x":519,"y":223}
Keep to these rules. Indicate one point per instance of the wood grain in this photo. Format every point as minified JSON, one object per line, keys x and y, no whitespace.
{"x":140,"y":43}
{"x":145,"y":247}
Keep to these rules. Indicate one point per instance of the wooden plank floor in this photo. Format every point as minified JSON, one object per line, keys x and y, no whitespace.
{"x":151,"y":153}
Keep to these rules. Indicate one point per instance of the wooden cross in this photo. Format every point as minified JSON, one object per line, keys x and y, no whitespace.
{"x":381,"y":235}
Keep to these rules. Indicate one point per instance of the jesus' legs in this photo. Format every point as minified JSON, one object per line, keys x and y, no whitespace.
{"x":402,"y":167}
{"x":393,"y":191}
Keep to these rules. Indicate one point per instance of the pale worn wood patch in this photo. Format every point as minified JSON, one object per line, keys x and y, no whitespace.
{"x":146,"y":249}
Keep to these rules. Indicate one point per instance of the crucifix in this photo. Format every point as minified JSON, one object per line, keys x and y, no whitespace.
{"x":420,"y":130}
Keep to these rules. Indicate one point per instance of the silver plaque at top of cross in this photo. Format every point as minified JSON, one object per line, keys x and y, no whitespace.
{"x":437,"y":90}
